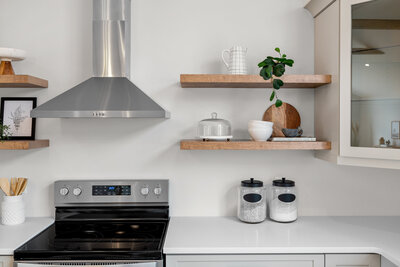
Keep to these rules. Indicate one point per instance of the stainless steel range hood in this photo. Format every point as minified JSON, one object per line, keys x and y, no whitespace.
{"x":109,"y":94}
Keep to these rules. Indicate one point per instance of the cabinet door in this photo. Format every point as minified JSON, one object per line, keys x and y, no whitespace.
{"x":6,"y":261}
{"x":352,"y":260}
{"x":369,"y":80}
{"x":245,"y":260}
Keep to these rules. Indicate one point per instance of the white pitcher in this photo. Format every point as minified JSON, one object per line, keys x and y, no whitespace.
{"x":236,"y":63}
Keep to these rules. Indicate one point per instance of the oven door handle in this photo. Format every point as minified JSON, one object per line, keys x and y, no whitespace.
{"x":90,"y":264}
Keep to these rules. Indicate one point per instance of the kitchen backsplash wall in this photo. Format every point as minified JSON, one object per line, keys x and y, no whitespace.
{"x":171,"y":37}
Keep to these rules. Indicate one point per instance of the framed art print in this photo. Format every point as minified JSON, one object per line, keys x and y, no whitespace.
{"x":15,"y":113}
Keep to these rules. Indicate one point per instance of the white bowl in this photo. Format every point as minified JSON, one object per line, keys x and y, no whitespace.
{"x":260,"y":123}
{"x":258,"y":126}
{"x":260,"y":134}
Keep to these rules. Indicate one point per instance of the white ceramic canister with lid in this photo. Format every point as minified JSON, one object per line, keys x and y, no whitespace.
{"x":12,"y":210}
{"x":282,"y":204}
{"x":252,"y":203}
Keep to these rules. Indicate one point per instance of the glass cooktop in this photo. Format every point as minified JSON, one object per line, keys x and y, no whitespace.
{"x":91,"y":240}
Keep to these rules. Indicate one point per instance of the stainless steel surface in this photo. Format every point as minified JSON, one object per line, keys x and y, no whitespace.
{"x":103,"y":263}
{"x":111,"y":38}
{"x":109,"y":94}
{"x":86,"y":198}
{"x":101,"y":98}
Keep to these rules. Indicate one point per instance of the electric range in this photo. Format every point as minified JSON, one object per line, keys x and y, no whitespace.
{"x":102,"y":222}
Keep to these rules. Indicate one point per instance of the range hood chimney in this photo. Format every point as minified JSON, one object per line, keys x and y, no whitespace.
{"x":109,"y":93}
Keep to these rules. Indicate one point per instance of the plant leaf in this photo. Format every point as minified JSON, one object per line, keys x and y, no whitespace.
{"x":263,"y":73}
{"x":279,"y":70}
{"x":272,"y":96}
{"x":262,"y":64}
{"x":268,"y":71}
{"x":269,"y":61}
{"x":277,"y":50}
{"x":278,"y":103}
{"x":288,"y":62}
{"x":284,"y":55}
{"x":277,"y":83}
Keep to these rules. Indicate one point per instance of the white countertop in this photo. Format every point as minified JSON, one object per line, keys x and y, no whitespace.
{"x":13,"y":236}
{"x":227,"y":235}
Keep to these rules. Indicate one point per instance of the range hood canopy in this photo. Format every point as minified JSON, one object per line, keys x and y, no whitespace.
{"x":110,"y":93}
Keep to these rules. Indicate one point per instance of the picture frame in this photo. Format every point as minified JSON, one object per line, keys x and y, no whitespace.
{"x":395,"y":130}
{"x":15,"y":113}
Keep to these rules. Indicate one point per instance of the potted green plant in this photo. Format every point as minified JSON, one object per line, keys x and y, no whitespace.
{"x":4,"y":132}
{"x":273,"y":67}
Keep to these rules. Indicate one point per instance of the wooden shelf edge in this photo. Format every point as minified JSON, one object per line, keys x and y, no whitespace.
{"x":22,"y":81}
{"x":252,"y":145}
{"x":23,"y":144}
{"x":251,"y":81}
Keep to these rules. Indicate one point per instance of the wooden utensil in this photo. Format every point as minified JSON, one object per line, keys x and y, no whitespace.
{"x":23,"y":186}
{"x":18,"y":186}
{"x":286,"y":116}
{"x":5,"y":186}
{"x":14,"y":186}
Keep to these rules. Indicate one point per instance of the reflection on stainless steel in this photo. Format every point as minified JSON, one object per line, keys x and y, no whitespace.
{"x":111,"y":38}
{"x":109,"y":94}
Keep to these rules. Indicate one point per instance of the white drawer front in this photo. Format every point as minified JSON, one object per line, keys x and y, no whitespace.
{"x":245,"y":260}
{"x":353,"y":260}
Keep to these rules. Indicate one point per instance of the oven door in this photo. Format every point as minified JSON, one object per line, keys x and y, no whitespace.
{"x":91,"y":264}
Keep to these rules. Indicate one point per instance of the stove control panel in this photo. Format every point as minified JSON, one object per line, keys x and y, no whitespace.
{"x":111,"y":190}
{"x":69,"y":192}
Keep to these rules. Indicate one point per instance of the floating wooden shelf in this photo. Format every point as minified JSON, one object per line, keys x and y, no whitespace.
{"x":253,"y":145}
{"x":23,"y":144}
{"x":250,"y":81}
{"x":22,"y":81}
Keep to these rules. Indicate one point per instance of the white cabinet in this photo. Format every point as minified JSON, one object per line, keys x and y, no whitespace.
{"x":245,"y":260}
{"x":281,"y":260}
{"x":352,"y":260}
{"x":6,"y":261}
{"x":357,"y":108}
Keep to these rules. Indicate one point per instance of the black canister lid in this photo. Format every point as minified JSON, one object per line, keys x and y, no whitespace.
{"x":283,"y":183}
{"x":252,"y":183}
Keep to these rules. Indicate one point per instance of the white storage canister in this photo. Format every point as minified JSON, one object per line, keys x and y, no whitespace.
{"x":282,"y":203}
{"x":12,"y":210}
{"x":252,"y":204}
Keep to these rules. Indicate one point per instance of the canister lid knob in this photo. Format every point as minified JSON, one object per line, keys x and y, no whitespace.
{"x":283,"y":183}
{"x":252,"y":183}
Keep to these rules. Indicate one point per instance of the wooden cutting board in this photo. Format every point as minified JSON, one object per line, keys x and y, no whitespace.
{"x":286,"y":116}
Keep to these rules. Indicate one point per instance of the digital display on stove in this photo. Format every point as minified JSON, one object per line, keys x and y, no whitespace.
{"x":111,"y":190}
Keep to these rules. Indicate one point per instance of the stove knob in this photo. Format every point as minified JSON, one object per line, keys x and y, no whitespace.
{"x":157,"y":190}
{"x":64,"y":191}
{"x":144,"y":191}
{"x":77,"y":191}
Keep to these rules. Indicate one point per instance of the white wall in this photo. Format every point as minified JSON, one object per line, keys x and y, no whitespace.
{"x":172,"y":37}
